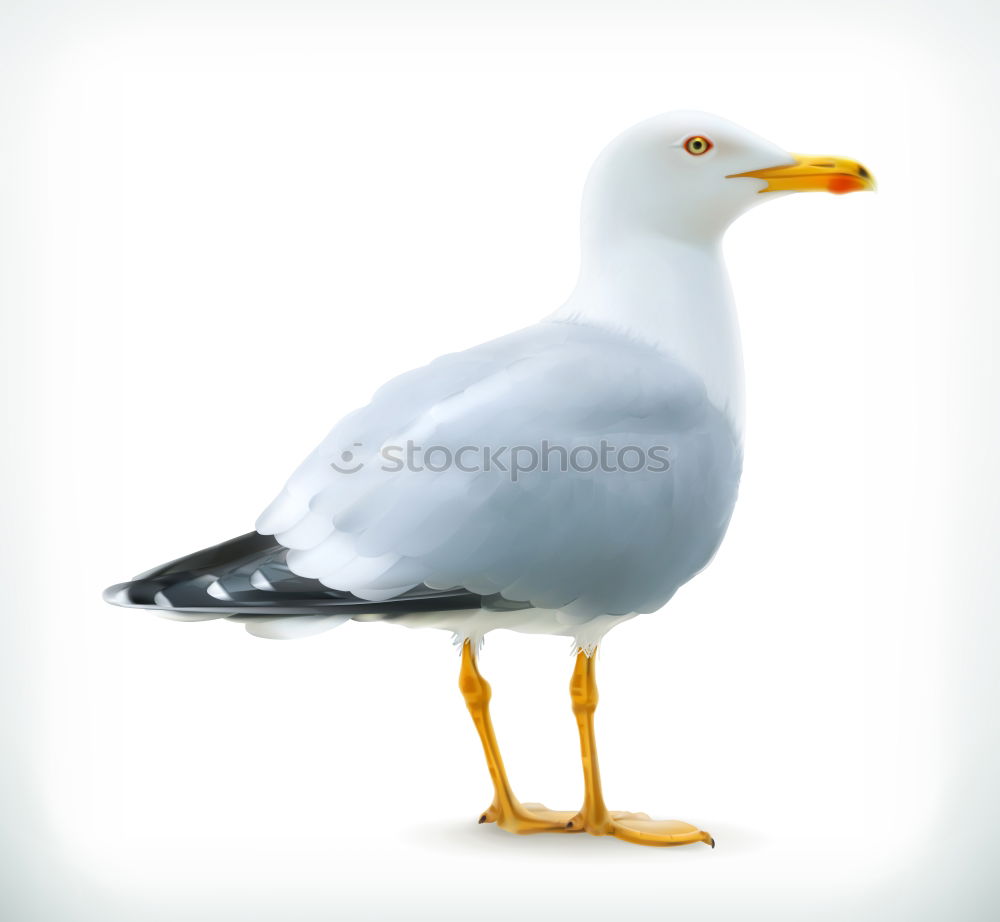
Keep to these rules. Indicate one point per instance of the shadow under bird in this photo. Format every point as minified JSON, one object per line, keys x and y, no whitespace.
{"x":559,"y":480}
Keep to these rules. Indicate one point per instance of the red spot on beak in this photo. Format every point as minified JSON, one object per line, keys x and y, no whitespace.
{"x":840,"y":185}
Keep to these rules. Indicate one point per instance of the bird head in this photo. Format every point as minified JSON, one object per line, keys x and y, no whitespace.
{"x":688,"y":175}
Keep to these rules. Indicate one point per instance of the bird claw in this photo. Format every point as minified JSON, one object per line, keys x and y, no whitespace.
{"x":490,"y":814}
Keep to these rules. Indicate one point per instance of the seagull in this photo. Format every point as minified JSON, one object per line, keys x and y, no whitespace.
{"x":561,"y":479}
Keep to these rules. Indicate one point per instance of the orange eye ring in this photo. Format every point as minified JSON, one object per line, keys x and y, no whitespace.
{"x":698,"y":145}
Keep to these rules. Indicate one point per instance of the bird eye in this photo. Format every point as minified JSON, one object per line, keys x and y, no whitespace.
{"x":697,"y":145}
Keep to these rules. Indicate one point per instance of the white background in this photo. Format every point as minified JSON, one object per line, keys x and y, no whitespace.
{"x":223,"y":225}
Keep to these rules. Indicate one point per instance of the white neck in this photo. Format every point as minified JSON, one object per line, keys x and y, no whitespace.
{"x":673,"y":295}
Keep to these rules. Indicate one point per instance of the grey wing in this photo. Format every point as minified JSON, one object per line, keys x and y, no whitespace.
{"x":585,"y":541}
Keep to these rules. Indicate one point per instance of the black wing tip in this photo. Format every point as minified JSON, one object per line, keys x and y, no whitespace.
{"x":214,"y":556}
{"x":133,"y":594}
{"x":215,"y":581}
{"x":155,"y":588}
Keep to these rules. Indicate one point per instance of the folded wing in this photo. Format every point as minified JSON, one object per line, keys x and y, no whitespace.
{"x":419,"y":488}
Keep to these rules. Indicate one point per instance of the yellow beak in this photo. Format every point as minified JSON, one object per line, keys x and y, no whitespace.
{"x":830,"y":174}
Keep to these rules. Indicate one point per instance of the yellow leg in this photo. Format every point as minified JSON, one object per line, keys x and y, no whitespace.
{"x":506,"y":810}
{"x":594,"y":816}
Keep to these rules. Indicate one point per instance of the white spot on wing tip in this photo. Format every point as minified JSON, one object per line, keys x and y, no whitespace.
{"x":259,"y":581}
{"x":216,"y":591}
